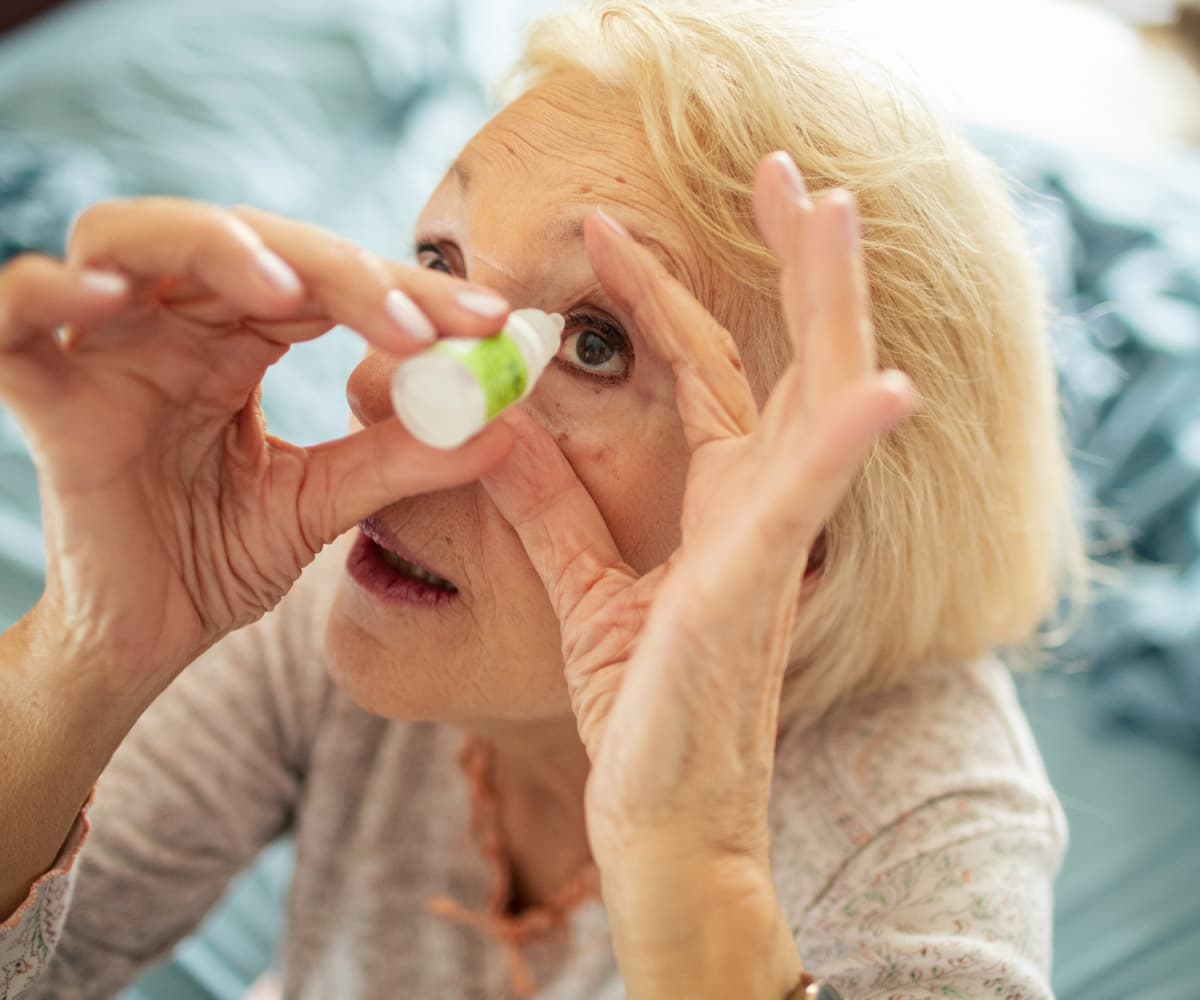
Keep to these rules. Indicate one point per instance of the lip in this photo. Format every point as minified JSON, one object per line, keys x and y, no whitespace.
{"x":366,"y":566}
{"x":374,"y":529}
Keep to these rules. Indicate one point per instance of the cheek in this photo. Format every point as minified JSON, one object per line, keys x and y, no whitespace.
{"x":629,"y":452}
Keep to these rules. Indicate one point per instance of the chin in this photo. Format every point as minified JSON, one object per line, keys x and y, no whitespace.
{"x":397,"y":683}
{"x":428,"y":677}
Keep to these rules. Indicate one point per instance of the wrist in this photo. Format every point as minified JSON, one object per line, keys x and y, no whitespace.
{"x":56,"y":737}
{"x":74,"y":689}
{"x":712,"y":930}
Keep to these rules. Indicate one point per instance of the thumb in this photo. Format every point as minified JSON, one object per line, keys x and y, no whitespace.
{"x":563,"y":532}
{"x":356,"y":476}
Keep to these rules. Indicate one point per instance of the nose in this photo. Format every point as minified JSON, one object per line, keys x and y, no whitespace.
{"x":368,"y":390}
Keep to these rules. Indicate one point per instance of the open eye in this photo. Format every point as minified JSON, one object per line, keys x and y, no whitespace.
{"x":595,"y":347}
{"x":431,"y":257}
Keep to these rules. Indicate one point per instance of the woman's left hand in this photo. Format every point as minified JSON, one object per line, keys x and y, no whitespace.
{"x":675,"y":676}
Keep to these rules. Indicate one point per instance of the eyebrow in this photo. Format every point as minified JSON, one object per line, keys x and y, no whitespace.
{"x":571,"y":230}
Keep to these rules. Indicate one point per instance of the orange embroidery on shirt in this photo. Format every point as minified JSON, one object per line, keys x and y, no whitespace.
{"x":513,"y":931}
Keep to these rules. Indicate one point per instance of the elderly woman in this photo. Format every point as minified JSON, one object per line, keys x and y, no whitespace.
{"x":676,"y":681}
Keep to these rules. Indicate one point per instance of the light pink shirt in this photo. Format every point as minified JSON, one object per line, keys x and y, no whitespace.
{"x":915,"y":840}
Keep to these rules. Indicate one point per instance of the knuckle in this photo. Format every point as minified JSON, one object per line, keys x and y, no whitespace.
{"x":366,"y":262}
{"x":22,"y":269}
{"x":215,"y":232}
{"x":17,"y":280}
{"x":247,"y":213}
{"x":96,"y":218}
{"x":217,"y":225}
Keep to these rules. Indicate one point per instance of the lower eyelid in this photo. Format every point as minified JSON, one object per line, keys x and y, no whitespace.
{"x":575,"y":371}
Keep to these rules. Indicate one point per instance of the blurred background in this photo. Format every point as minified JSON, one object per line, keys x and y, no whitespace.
{"x":346,"y":115}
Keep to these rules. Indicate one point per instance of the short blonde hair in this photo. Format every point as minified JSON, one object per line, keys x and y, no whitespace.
{"x":959,"y":535}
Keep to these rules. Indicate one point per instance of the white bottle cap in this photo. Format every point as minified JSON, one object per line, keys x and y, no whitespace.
{"x":438,"y":394}
{"x":548,"y":328}
{"x":438,"y":400}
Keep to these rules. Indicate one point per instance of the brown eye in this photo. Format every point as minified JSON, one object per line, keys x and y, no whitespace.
{"x":595,"y":348}
{"x":431,"y":257}
{"x":592,"y":350}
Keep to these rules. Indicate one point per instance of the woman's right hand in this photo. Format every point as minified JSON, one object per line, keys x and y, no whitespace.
{"x":172,"y":516}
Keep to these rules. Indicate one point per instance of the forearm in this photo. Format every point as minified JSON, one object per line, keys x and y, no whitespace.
{"x":60,"y":726}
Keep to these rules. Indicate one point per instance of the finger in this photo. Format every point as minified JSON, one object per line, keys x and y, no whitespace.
{"x":398,"y":308}
{"x":714,"y":399}
{"x":814,"y":463}
{"x":152,"y":239}
{"x":274,"y":269}
{"x":823,"y":282}
{"x":358,"y":475}
{"x":783,"y":211}
{"x":838,"y":335}
{"x":563,"y":532}
{"x":38,"y":295}
{"x":781,"y":203}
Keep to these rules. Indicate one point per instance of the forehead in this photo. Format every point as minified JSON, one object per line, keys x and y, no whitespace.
{"x":562,"y":149}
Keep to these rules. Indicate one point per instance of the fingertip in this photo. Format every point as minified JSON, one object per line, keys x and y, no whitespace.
{"x":425,"y":305}
{"x":478,"y":456}
{"x":516,"y":420}
{"x":780,"y":170}
{"x":611,"y":225}
{"x":604,"y":247}
{"x":408,"y":319}
{"x":499,"y":437}
{"x":896,"y":381}
{"x":482,"y":304}
{"x":899,"y":386}
{"x":622,"y":265}
{"x":277,"y":274}
{"x":597,"y":236}
{"x":604,"y":234}
{"x":780,"y":197}
{"x":900,"y":397}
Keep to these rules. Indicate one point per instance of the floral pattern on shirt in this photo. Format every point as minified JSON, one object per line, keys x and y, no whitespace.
{"x":29,"y":936}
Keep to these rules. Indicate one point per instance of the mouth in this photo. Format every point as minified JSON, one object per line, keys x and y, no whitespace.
{"x":381,"y":566}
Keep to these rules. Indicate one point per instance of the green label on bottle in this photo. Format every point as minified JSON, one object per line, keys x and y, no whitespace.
{"x":497,"y":365}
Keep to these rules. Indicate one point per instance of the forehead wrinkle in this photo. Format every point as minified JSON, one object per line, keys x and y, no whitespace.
{"x":560,"y":231}
{"x":537,"y":142}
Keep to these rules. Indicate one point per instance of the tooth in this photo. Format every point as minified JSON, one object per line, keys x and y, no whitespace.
{"x":416,"y":572}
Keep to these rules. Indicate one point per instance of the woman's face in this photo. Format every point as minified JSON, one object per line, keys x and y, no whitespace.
{"x":509,"y":215}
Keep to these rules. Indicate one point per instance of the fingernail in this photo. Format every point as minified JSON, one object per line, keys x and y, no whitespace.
{"x":405,"y":314}
{"x":276,"y":271}
{"x":104,"y":282}
{"x":792,"y":177}
{"x":481,"y":303}
{"x":848,"y":204}
{"x":612,"y":224}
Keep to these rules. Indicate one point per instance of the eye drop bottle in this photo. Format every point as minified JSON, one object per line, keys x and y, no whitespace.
{"x":447,"y":394}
